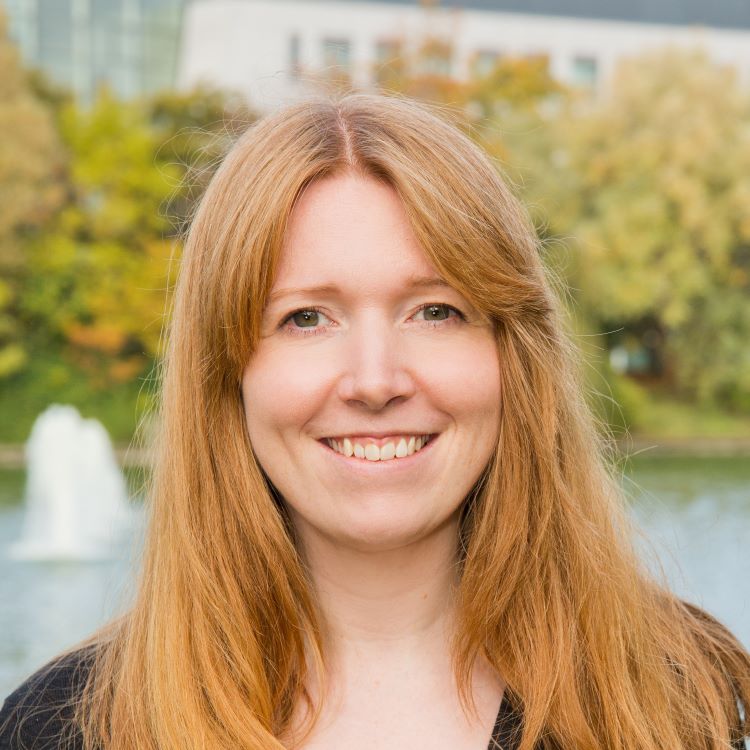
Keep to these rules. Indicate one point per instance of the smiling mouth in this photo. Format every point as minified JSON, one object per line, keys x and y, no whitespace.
{"x":399,"y":446}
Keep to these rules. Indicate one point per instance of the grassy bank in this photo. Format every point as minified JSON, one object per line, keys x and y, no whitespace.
{"x":118,"y":407}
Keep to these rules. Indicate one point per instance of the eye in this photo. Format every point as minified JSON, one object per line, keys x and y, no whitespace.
{"x":304,"y":321}
{"x":437,"y":312}
{"x":305,"y":318}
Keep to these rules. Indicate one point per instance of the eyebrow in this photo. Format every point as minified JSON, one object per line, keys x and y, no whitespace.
{"x":415,"y":282}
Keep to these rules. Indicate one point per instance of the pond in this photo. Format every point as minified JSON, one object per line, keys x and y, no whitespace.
{"x":695,"y":512}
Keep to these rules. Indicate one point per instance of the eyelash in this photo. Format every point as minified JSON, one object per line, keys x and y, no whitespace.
{"x":314,"y":331}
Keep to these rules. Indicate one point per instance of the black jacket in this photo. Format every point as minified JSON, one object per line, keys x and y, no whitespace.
{"x":35,"y":716}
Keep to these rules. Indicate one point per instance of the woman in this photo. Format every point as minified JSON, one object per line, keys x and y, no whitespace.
{"x":380,"y":509}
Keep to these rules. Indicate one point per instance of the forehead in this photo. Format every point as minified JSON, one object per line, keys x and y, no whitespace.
{"x":351,"y":231}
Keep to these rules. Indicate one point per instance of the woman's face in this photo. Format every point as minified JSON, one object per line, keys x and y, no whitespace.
{"x":365,"y":350}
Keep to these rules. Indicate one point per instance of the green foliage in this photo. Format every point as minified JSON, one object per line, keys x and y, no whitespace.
{"x":657,"y":196}
{"x":95,"y":202}
{"x":104,"y":265}
{"x":101,"y":270}
{"x":194,"y":129}
{"x":52,"y":377}
{"x":622,"y":404}
{"x":30,"y":156}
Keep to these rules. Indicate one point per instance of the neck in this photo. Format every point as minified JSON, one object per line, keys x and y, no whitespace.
{"x":388,"y":620}
{"x":400,"y":597}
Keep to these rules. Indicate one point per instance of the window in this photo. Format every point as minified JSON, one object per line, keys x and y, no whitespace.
{"x":435,"y":58}
{"x":585,"y":71}
{"x":294,"y":56}
{"x":336,"y":57}
{"x":389,"y":60}
{"x":484,"y":62}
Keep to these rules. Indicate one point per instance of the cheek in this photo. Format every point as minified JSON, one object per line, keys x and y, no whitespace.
{"x":466,"y":381}
{"x":279,"y":394}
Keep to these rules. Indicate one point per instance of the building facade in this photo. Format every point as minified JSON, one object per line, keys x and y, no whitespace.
{"x":129,"y":46}
{"x":274,"y":50}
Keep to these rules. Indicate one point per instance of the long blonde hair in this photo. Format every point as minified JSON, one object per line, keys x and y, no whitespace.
{"x":225,"y":631}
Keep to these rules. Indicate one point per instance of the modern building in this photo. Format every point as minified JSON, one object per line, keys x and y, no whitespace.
{"x":271,"y":50}
{"x":129,"y":46}
{"x":275,"y":50}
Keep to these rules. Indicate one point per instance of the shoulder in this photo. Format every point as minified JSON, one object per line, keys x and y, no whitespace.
{"x":38,"y":714}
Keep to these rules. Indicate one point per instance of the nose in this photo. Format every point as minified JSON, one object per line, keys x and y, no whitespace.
{"x":377,"y":371}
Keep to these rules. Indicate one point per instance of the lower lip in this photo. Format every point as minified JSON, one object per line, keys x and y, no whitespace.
{"x":369,"y":468}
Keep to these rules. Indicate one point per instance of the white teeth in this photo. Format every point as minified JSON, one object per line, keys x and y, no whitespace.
{"x":387,"y":452}
{"x":372,"y":452}
{"x":348,"y":449}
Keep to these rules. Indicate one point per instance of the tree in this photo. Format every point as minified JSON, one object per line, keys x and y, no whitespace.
{"x":101,"y":268}
{"x":30,"y":190}
{"x":506,"y":107}
{"x":194,"y":130}
{"x":424,"y":70}
{"x":657,"y":194}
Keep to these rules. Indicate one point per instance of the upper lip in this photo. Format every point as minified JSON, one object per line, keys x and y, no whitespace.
{"x":377,"y":435}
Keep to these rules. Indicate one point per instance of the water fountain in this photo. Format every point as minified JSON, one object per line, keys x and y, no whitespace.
{"x":76,"y":498}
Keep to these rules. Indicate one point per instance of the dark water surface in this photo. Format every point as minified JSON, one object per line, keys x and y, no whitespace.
{"x":696,"y":513}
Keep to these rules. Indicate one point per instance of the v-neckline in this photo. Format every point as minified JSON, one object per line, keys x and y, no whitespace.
{"x":506,"y":733}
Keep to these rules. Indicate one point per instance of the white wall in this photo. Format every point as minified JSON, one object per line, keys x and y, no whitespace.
{"x":244,"y":44}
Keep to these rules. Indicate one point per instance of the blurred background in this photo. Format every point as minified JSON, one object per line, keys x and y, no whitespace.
{"x":625,"y":127}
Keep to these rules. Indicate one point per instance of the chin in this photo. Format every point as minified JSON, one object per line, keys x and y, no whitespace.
{"x":382,"y":534}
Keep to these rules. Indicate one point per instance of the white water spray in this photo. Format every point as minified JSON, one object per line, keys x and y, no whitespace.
{"x":76,"y":498}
